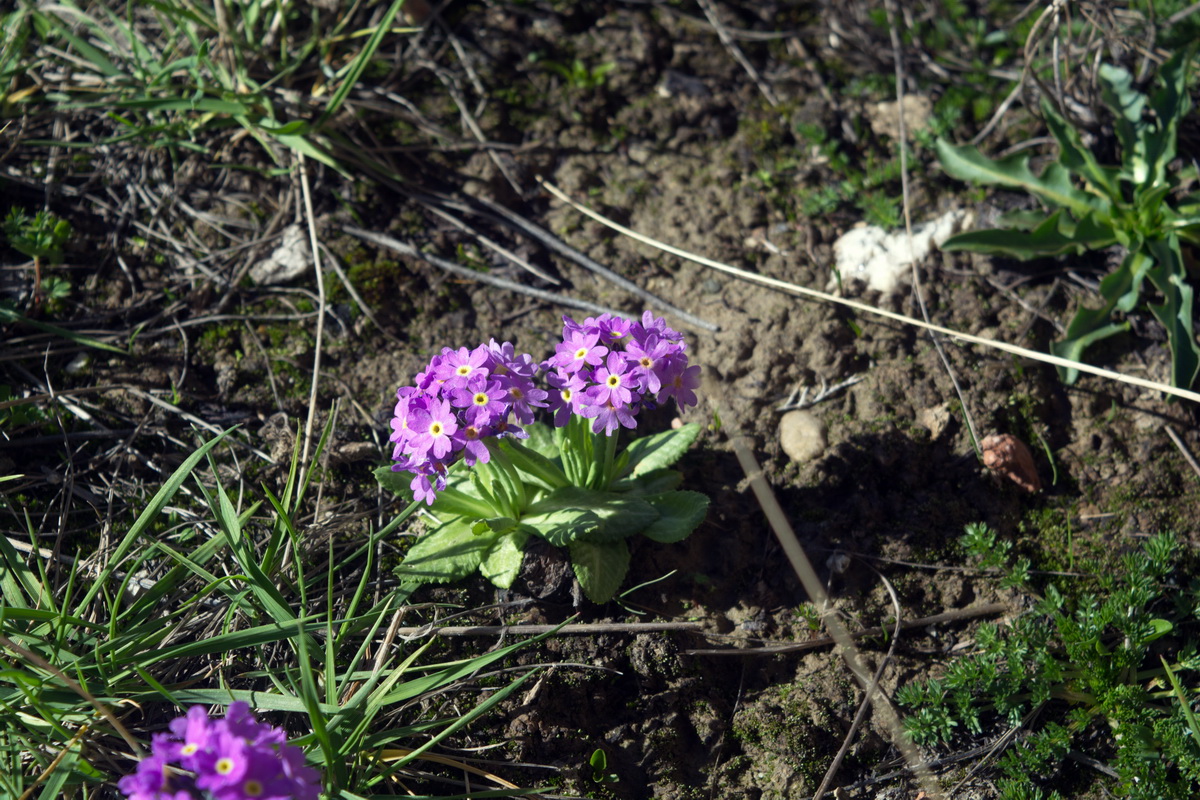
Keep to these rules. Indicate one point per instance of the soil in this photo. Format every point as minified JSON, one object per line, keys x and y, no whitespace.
{"x":669,"y":144}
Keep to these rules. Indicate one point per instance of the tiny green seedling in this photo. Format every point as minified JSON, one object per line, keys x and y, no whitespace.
{"x":1132,"y":205}
{"x":599,"y":764}
{"x":41,"y":237}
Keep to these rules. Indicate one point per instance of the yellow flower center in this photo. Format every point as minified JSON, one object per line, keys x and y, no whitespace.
{"x":465,"y":369}
{"x":613,"y":381}
{"x":480,"y":399}
{"x":436,"y":429}
{"x":581,"y":352}
{"x":252,"y":788}
{"x":224,"y":766}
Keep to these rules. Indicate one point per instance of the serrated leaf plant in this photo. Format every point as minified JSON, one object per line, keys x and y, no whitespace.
{"x":1091,"y":206}
{"x":1087,"y":663}
{"x":467,"y":444}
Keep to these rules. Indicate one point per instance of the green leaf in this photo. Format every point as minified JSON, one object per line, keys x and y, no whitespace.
{"x":600,"y":567}
{"x":659,"y":450}
{"x":1078,"y":158}
{"x":535,"y":467}
{"x":1053,"y":187}
{"x":653,"y":482}
{"x":572,"y":514}
{"x":1055,"y":235}
{"x":503,"y":562}
{"x":541,"y":436}
{"x":1169,"y":276}
{"x":449,"y":552}
{"x":680,"y":513}
{"x":1073,"y":346}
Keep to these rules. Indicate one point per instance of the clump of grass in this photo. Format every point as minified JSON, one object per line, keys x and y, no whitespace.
{"x":173,"y":74}
{"x":220,"y":606}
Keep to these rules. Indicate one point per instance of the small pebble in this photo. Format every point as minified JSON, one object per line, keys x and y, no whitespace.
{"x":802,"y":435}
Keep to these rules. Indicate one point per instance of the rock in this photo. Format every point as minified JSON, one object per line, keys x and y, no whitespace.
{"x":885,"y":117}
{"x":883,"y":260}
{"x":935,"y":419}
{"x":802,"y":436}
{"x":290,"y":260}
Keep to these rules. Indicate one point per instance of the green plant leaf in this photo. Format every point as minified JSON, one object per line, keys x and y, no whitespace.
{"x":600,"y":567}
{"x":653,"y":482}
{"x":1073,"y":346}
{"x":503,"y":562}
{"x":1079,"y":159}
{"x":1053,"y":186}
{"x":535,"y":467}
{"x":450,"y":552}
{"x":1169,"y":276}
{"x":572,"y":514}
{"x":659,"y":450}
{"x":679,"y":513}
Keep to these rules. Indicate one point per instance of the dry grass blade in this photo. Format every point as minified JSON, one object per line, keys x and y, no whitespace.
{"x":804,"y":291}
{"x":449,"y":266}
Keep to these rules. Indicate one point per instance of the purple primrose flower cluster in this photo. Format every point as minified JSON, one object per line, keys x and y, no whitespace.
{"x":606,"y":369}
{"x":235,"y":758}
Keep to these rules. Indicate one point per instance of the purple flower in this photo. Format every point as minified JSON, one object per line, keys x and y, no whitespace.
{"x":613,"y":382}
{"x":433,"y":429}
{"x":580,"y":348}
{"x":523,"y":396}
{"x":458,"y":365}
{"x":483,"y":398}
{"x":648,"y":359}
{"x":471,"y":438}
{"x":155,"y":779}
{"x":679,"y":382}
{"x":608,"y":416}
{"x":235,"y":758}
{"x":567,"y":398}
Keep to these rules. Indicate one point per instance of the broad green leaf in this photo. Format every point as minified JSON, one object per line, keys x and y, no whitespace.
{"x":659,"y":450}
{"x":503,"y":562}
{"x":679,"y":513}
{"x":541,"y":436}
{"x":1053,"y":186}
{"x":1072,"y":347}
{"x":1128,"y":105}
{"x":449,"y":552}
{"x":1056,"y":235}
{"x":653,"y":482}
{"x":1078,"y":158}
{"x":600,"y":567}
{"x":572,"y":514}
{"x":1175,"y":312}
{"x":536,"y":468}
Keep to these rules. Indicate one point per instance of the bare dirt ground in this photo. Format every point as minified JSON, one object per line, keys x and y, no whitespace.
{"x":678,"y":142}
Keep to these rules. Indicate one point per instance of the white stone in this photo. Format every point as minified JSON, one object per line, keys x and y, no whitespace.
{"x":802,"y":435}
{"x":290,"y":260}
{"x":883,"y":260}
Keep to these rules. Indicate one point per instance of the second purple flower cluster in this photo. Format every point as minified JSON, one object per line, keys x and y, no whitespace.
{"x":606,"y":369}
{"x":235,"y":758}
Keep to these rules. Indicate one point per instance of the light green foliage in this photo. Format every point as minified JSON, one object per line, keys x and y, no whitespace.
{"x":279,"y":638}
{"x":1092,"y":206}
{"x":1089,"y":651}
{"x":41,"y":236}
{"x":568,"y":487}
{"x":863,"y":187}
{"x":577,"y":75}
